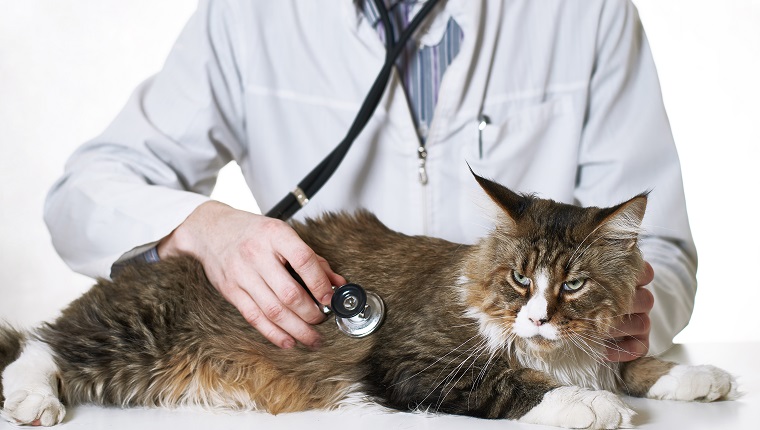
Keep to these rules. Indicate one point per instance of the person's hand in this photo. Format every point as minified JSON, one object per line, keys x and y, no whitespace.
{"x":630,"y":334}
{"x":244,"y":256}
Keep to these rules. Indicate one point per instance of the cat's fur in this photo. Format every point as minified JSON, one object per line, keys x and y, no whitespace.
{"x":462,"y":335}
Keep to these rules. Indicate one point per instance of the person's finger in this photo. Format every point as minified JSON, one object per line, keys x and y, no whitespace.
{"x":627,"y":349}
{"x":631,"y":325}
{"x":256,"y":317}
{"x":274,"y":311}
{"x":292,"y":295}
{"x":306,"y":263}
{"x":643,"y":301}
{"x":646,"y":276}
{"x":335,"y":279}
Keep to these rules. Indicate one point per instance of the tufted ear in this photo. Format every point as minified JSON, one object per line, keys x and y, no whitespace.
{"x":622,"y":222}
{"x":514,"y":205}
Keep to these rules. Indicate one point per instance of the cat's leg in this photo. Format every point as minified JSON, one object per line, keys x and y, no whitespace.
{"x":656,"y":379}
{"x":30,"y":387}
{"x":580,"y":408}
{"x":526,"y":395}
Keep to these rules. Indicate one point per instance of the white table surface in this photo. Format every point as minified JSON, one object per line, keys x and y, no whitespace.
{"x":743,"y":360}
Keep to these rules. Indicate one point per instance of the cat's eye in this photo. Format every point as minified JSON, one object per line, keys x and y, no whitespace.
{"x":521,"y":279}
{"x":573,"y":285}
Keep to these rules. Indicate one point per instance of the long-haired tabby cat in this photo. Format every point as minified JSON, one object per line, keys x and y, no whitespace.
{"x":511,"y":327}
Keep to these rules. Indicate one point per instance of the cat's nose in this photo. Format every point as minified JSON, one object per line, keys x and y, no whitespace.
{"x":539,"y":323}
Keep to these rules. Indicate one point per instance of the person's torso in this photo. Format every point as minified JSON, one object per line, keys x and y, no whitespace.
{"x":525,"y":65}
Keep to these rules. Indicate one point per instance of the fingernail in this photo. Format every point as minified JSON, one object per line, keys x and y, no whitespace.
{"x":290,"y":343}
{"x":317,"y":344}
{"x":326,"y":299}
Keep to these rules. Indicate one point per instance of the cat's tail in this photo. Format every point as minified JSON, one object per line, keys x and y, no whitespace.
{"x":11,"y":342}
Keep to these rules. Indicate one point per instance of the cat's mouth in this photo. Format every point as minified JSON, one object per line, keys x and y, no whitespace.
{"x":540,"y":343}
{"x":540,"y":336}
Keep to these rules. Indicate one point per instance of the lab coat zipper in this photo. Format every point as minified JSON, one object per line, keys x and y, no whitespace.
{"x":422,"y":176}
{"x":421,"y":161}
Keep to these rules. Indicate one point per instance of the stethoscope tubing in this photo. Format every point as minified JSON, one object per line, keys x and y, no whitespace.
{"x":353,"y":322}
{"x":317,"y":177}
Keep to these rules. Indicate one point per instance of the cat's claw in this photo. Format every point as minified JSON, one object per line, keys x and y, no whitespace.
{"x":27,"y":408}
{"x":694,"y":383}
{"x":580,"y":408}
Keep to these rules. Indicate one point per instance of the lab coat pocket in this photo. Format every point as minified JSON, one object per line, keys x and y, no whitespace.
{"x":529,"y":148}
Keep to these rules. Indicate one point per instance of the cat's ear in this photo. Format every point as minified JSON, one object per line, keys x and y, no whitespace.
{"x":623,"y":222}
{"x":513,"y":204}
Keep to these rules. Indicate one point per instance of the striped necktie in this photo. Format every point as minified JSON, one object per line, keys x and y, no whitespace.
{"x":421,"y":68}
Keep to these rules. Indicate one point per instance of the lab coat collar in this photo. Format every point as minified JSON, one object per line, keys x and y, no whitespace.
{"x":459,"y":93}
{"x":430,"y":33}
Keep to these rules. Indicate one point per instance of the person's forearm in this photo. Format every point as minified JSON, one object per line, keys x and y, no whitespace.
{"x":673,"y":287}
{"x":94,"y":217}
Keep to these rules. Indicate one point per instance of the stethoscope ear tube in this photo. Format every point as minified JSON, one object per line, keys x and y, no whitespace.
{"x":313,"y":182}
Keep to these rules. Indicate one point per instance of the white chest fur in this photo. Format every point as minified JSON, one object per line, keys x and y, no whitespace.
{"x":572,"y":366}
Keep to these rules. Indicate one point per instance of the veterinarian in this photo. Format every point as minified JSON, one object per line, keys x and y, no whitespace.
{"x":560,"y":98}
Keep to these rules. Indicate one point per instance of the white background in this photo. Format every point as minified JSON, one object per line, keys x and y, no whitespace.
{"x":67,"y":67}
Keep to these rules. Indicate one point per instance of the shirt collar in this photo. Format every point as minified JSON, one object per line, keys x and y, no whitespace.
{"x":430,"y":33}
{"x":370,"y":11}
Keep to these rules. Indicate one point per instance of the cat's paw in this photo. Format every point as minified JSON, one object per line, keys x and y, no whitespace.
{"x":694,"y":383}
{"x":580,"y":408}
{"x":26,"y":408}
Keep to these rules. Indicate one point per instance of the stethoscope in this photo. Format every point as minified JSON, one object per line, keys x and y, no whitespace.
{"x":358,"y":313}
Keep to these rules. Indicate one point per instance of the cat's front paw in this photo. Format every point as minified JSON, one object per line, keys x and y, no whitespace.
{"x":694,"y":383}
{"x":26,"y":408}
{"x":580,"y":408}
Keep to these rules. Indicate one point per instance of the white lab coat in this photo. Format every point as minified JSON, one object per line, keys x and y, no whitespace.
{"x":569,"y":86}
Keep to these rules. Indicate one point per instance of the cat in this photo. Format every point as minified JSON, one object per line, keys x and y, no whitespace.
{"x":510,"y":327}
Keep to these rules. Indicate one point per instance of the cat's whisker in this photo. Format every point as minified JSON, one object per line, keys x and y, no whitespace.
{"x":632,"y":233}
{"x":467,"y":352}
{"x":572,"y":256}
{"x":480,"y":375}
{"x":590,"y":244}
{"x":452,"y":373}
{"x":436,"y":361}
{"x":483,"y":372}
{"x":614,"y":327}
{"x":595,"y":339}
{"x":475,"y":323}
{"x":581,"y":343}
{"x":601,"y":358}
{"x":575,"y":252}
{"x":612,"y":345}
{"x":603,"y":318}
{"x":592,"y":352}
{"x":586,"y":337}
{"x":483,"y":349}
{"x":626,"y":335}
{"x":621,"y":349}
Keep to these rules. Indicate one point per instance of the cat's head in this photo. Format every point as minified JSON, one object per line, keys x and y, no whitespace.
{"x":553,"y":275}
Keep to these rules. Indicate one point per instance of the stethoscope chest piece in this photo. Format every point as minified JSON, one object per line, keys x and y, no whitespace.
{"x":358,"y":313}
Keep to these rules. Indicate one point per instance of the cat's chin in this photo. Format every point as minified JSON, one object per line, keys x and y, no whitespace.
{"x":539,"y":343}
